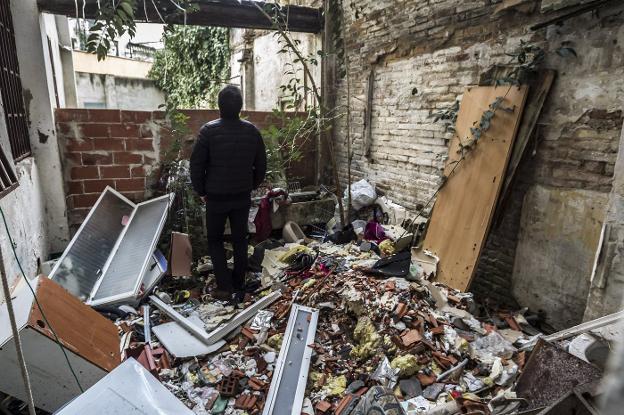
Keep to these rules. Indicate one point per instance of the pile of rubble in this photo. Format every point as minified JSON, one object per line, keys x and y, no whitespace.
{"x":418,"y":340}
{"x":347,"y":323}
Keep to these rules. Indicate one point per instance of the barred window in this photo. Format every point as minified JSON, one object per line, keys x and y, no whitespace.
{"x":11,"y":87}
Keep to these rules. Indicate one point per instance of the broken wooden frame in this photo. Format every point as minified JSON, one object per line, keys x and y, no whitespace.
{"x":221,"y":331}
{"x":108,"y":260}
{"x":287,"y":389}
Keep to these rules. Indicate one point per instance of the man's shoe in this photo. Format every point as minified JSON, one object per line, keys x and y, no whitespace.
{"x":238,"y":297}
{"x":221,"y":295}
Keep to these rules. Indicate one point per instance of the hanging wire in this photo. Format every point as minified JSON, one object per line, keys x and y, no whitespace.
{"x":45,"y":319}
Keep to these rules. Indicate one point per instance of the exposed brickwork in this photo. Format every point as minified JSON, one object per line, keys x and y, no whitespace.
{"x":122,"y":149}
{"x":99,"y":150}
{"x":425,"y":52}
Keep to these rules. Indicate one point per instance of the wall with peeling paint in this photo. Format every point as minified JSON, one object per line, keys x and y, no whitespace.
{"x":424,"y":54}
{"x":36,"y":74}
{"x":35,"y":210}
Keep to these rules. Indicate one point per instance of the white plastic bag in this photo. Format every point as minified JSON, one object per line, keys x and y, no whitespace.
{"x":362,"y":194}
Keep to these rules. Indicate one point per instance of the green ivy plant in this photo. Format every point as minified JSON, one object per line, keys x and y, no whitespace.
{"x":193,"y":66}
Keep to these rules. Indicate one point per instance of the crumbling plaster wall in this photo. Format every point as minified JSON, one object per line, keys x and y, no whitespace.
{"x":38,"y":85}
{"x":424,"y":53}
{"x":114,"y":92}
{"x":258,"y":67}
{"x":35,"y":210}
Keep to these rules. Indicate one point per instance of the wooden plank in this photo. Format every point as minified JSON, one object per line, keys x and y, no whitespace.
{"x":80,"y":329}
{"x":465,"y":205}
{"x":222,"y":13}
{"x":538,"y":93}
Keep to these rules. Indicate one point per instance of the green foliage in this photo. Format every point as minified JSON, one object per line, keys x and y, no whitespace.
{"x":526,"y":60}
{"x":448,"y":116}
{"x":113,"y":20}
{"x":285,"y":140}
{"x":193,"y":65}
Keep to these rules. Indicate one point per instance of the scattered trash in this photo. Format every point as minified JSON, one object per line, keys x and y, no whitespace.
{"x":334,"y":325}
{"x":362,"y":194}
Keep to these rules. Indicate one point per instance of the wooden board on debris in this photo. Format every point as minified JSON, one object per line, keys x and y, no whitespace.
{"x":465,"y":205}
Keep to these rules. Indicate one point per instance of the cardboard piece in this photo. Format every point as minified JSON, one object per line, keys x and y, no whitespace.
{"x":180,"y":255}
{"x":89,"y":339}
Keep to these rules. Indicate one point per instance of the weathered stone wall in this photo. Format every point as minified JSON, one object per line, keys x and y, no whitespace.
{"x":425,"y":52}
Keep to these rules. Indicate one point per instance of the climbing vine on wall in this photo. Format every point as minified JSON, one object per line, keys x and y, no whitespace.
{"x":193,"y":66}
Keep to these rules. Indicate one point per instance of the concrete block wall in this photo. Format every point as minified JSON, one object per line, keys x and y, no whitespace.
{"x":425,"y":52}
{"x":123,"y":149}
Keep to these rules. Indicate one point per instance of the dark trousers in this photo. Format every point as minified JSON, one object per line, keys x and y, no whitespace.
{"x":217,"y":212}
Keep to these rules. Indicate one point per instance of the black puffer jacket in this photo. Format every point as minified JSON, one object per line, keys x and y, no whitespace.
{"x":228,"y":160}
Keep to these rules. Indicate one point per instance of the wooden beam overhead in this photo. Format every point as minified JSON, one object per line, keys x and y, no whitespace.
{"x":223,"y":13}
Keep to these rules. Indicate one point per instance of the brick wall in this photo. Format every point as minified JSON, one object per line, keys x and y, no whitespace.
{"x":123,"y":149}
{"x":425,"y":52}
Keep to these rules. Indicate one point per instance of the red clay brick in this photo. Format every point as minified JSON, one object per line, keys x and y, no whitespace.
{"x":130,"y":185}
{"x":65,"y":115}
{"x":97,"y":186}
{"x":64,"y":129}
{"x":90,"y":172}
{"x":123,"y":157}
{"x":94,"y":159}
{"x":115,"y":172}
{"x":84,"y":144}
{"x":75,"y":188}
{"x":140,"y":144}
{"x":159,"y":115}
{"x":135,"y":196}
{"x":124,"y":130}
{"x":145,"y":132}
{"x":85,"y":201}
{"x":105,"y":115}
{"x":75,"y":158}
{"x":110,"y":144}
{"x":149,"y":160}
{"x":94,"y":130}
{"x":137,"y":171}
{"x":136,"y":116}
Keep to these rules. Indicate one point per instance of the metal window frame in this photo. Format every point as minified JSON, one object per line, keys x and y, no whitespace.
{"x":221,"y":331}
{"x":281,"y":363}
{"x":139,"y":279}
{"x":84,"y":223}
{"x":11,"y":86}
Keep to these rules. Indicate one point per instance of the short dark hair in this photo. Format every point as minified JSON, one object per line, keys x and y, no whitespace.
{"x":230,"y":101}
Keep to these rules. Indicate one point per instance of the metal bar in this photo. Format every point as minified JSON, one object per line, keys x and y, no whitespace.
{"x":585,"y":327}
{"x":290,"y":376}
{"x":223,"y":13}
{"x":147,"y":330}
{"x":196,"y":331}
{"x":222,"y":331}
{"x":11,"y":88}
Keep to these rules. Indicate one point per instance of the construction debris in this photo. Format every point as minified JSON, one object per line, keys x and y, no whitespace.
{"x":355,"y":336}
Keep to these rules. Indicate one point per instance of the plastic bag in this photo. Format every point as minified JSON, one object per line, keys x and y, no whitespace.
{"x":362,"y":194}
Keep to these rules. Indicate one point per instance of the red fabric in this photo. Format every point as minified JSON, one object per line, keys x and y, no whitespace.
{"x":263,"y":217}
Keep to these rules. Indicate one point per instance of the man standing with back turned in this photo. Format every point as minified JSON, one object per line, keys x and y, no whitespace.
{"x":228,"y":162}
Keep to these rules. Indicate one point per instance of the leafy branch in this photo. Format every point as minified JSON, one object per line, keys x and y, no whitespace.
{"x":113,"y":20}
